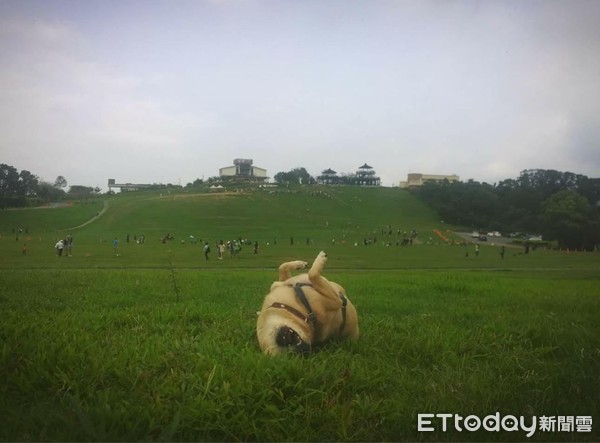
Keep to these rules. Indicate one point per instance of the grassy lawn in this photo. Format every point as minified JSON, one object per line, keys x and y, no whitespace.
{"x":129,"y":355}
{"x":152,"y":342}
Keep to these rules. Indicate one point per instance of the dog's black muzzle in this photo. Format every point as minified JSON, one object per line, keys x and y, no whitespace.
{"x":288,"y":338}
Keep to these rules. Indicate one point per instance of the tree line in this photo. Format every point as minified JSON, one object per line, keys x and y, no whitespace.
{"x":295,"y":176}
{"x":561,"y":206}
{"x":20,"y":189}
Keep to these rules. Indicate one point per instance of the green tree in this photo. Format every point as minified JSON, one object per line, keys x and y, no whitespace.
{"x":471,"y":204}
{"x":81,"y":191}
{"x":9,"y":180}
{"x":28,"y":183}
{"x":49,"y":193}
{"x":60,"y":182}
{"x":9,"y":187}
{"x":569,"y":218}
{"x":295,"y":176}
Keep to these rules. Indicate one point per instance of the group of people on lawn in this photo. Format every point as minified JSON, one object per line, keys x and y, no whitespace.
{"x":64,"y":245}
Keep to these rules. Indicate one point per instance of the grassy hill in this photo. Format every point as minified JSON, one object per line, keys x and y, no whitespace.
{"x":264,"y":215}
{"x":336,"y":219}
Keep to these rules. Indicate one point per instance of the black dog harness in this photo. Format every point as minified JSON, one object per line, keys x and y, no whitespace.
{"x":310,"y":317}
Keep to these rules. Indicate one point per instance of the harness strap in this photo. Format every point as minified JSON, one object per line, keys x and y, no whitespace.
{"x":310,"y":317}
{"x":290,"y":309}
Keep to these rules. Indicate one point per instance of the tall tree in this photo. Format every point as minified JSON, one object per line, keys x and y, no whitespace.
{"x":9,"y":180}
{"x":49,"y":193}
{"x":60,"y":182}
{"x":81,"y":191}
{"x":296,"y":175}
{"x":569,"y":218}
{"x":28,"y":183}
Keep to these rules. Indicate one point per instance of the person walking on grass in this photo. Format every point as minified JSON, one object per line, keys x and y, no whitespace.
{"x":502,"y":251}
{"x":206,"y":250}
{"x":59,"y":246}
{"x":476,"y":250}
{"x":69,"y":244}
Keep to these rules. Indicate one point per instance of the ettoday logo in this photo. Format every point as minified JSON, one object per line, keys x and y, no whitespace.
{"x":509,"y":423}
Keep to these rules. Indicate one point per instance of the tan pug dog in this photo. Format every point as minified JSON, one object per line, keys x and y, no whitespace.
{"x":304,"y":311}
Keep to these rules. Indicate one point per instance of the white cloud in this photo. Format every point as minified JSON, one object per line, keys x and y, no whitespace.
{"x":157,"y":93}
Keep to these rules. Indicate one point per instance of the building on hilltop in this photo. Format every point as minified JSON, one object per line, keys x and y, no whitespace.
{"x":417,"y":179}
{"x":328,"y":177}
{"x":130,"y":186}
{"x":365,"y":176}
{"x":243,"y":170}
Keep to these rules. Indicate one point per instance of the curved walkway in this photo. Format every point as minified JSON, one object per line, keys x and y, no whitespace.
{"x":93,"y":219}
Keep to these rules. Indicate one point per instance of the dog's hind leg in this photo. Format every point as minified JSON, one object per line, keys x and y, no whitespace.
{"x":285,"y":269}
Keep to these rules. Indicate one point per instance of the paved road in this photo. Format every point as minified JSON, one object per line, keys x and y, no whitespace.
{"x":506,"y":241}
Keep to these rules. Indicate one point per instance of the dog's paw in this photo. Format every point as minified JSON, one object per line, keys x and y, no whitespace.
{"x":320,"y":261}
{"x":299,"y":264}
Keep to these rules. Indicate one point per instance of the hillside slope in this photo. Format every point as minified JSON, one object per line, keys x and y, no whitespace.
{"x":319,"y":213}
{"x":361,"y":228}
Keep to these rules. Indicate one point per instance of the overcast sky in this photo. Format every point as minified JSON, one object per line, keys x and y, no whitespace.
{"x":169,"y":91}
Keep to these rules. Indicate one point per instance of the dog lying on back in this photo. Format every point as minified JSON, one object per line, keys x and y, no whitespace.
{"x":304,"y":311}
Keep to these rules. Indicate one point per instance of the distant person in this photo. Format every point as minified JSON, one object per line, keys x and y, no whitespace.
{"x":255,"y":248}
{"x":115,"y":244}
{"x":206,"y":250}
{"x":59,"y":246}
{"x":25,"y":249}
{"x":502,"y":251}
{"x":221,"y":249}
{"x":476,"y":250}
{"x":69,"y":245}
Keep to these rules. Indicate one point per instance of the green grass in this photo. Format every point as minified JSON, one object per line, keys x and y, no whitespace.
{"x":154,"y":343}
{"x":121,"y":355}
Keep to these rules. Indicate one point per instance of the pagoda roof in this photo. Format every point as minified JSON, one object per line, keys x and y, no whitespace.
{"x":329,"y":171}
{"x":365,"y":166}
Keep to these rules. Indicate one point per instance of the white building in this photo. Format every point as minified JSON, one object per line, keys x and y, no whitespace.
{"x":243,"y":170}
{"x":417,"y":179}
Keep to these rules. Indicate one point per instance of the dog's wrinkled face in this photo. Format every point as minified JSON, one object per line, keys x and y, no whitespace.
{"x":290,"y":340}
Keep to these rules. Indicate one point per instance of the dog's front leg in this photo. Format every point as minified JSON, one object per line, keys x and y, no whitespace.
{"x":319,"y":282}
{"x":285,"y":270}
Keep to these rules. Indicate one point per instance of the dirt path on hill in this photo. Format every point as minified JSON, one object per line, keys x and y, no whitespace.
{"x":93,"y":219}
